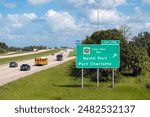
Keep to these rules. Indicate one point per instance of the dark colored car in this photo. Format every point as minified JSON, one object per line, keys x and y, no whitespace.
{"x":13,"y":64}
{"x":25,"y":67}
{"x":59,"y":57}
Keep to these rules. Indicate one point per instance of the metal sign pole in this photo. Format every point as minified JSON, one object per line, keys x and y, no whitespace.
{"x":82,"y":79}
{"x":98,"y":11}
{"x":113,"y":82}
{"x":98,"y":77}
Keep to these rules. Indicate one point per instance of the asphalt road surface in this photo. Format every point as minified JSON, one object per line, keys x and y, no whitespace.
{"x":28,"y":53}
{"x":9,"y":74}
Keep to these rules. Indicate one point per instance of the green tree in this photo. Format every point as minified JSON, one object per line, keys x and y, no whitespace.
{"x":125,"y":30}
{"x":96,"y":38}
{"x":143,"y":40}
{"x":138,"y":60}
{"x":30,"y":48}
{"x":12,"y":49}
{"x":3,"y":45}
{"x":3,"y":48}
{"x":2,"y":51}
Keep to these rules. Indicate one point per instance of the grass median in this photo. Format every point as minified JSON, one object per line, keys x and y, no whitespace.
{"x":72,"y":53}
{"x":26,"y":57}
{"x":12,"y":53}
{"x":56,"y":84}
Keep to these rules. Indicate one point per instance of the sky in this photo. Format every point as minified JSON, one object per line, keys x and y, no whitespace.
{"x":61,"y":22}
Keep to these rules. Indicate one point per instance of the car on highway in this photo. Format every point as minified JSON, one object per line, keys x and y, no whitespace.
{"x":25,"y":67}
{"x":13,"y":64}
{"x":59,"y":57}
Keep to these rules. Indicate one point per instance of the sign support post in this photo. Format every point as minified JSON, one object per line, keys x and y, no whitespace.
{"x":98,"y":77}
{"x":113,"y":81}
{"x":82,"y":79}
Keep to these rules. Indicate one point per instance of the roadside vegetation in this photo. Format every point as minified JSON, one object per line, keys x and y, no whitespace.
{"x":134,"y":54}
{"x":12,"y":53}
{"x":56,"y":84}
{"x":26,"y":57}
{"x":72,"y":53}
{"x":4,"y":48}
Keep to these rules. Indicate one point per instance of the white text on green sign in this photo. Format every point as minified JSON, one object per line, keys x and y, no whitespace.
{"x":98,"y":56}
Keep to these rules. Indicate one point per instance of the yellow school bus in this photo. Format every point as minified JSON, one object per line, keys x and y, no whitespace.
{"x":41,"y":61}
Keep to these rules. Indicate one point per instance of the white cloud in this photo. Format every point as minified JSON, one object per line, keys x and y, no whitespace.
{"x":109,"y":4}
{"x":91,"y":1}
{"x":14,"y":25}
{"x":64,"y":28}
{"x":10,"y":5}
{"x":0,"y":16}
{"x":105,"y":16}
{"x":73,"y":3}
{"x":88,"y":9}
{"x":146,"y":1}
{"x":137,"y":10}
{"x":119,"y":2}
{"x":17,"y":20}
{"x":137,"y":27}
{"x":147,"y":25}
{"x":141,"y":16}
{"x":102,"y":4}
{"x":139,"y":22}
{"x":39,"y":2}
{"x":60,"y":21}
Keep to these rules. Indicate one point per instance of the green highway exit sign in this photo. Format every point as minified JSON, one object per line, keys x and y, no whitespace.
{"x":104,"y":55}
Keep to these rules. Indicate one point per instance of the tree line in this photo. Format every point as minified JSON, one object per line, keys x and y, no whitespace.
{"x":4,"y":48}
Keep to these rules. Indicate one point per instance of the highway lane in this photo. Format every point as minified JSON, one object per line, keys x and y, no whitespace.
{"x":28,"y":53}
{"x":9,"y":74}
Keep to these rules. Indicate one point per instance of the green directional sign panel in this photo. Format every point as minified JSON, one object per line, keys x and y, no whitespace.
{"x":98,"y":55}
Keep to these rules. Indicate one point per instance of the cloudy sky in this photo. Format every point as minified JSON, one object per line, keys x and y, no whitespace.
{"x":61,"y":22}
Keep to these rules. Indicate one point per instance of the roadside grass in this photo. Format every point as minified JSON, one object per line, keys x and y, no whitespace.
{"x":73,"y":53}
{"x":26,"y":57}
{"x":56,"y":84}
{"x":12,"y":53}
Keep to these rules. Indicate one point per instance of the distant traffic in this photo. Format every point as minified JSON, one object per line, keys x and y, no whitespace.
{"x":39,"y":61}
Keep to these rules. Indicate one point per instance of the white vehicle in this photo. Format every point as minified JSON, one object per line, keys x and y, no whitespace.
{"x":61,"y":52}
{"x":35,"y":50}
